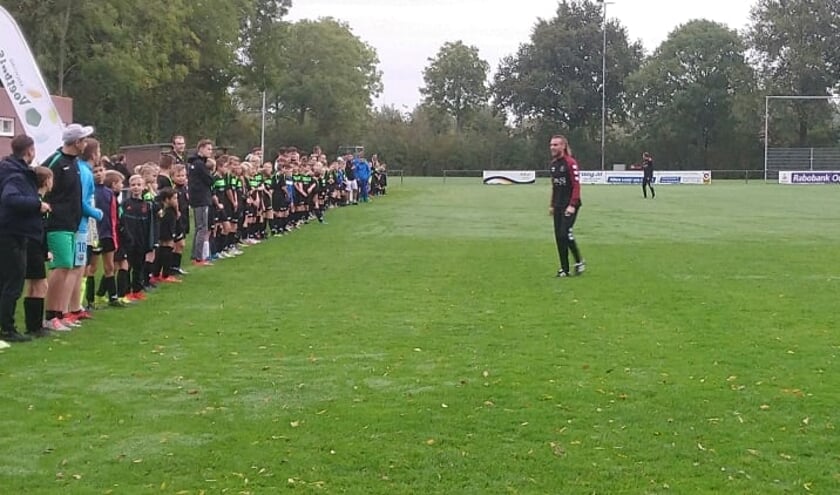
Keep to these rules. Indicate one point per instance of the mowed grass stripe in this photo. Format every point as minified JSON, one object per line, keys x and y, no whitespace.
{"x":422,"y":345}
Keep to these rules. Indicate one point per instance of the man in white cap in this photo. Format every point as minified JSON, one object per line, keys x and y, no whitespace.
{"x":66,"y":202}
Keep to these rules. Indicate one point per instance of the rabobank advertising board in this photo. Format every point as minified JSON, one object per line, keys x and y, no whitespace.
{"x":810,"y":177}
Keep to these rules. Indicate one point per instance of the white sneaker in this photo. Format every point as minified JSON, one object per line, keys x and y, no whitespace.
{"x":71,"y":323}
{"x":4,"y":344}
{"x":580,"y":267}
{"x":56,"y":325}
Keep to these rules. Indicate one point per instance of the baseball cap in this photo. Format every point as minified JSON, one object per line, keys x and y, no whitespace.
{"x":74,"y":132}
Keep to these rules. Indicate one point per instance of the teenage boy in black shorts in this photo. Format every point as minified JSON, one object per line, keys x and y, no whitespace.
{"x":105,"y":196}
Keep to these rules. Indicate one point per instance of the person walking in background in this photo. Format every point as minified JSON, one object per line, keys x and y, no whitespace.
{"x":21,"y":209}
{"x":647,"y":180}
{"x":565,"y":203}
{"x":200,"y":184}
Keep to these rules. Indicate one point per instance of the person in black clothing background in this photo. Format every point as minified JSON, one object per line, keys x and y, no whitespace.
{"x":200,"y":182}
{"x":565,"y":203}
{"x":21,"y":211}
{"x":647,"y":180}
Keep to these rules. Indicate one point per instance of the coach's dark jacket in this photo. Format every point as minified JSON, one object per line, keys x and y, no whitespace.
{"x":20,"y":205}
{"x":200,"y":182}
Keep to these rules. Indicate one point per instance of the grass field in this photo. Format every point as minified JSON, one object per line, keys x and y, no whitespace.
{"x":421,"y":344}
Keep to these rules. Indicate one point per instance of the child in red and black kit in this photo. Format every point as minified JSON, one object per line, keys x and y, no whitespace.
{"x":136,"y":221}
{"x":115,"y":181}
{"x":168,"y":231}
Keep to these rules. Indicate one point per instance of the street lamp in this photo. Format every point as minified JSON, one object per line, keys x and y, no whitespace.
{"x":604,"y":3}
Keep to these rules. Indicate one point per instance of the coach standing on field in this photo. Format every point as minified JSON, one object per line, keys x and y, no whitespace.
{"x":565,"y":203}
{"x":647,"y":180}
{"x":200,"y":183}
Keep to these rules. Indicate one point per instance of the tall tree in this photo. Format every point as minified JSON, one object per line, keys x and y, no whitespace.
{"x":327,"y":73}
{"x":685,"y":93}
{"x":558,"y":74}
{"x":798,"y":53}
{"x":456,"y":81}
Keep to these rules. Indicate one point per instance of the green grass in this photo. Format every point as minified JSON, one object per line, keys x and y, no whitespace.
{"x":421,"y":344}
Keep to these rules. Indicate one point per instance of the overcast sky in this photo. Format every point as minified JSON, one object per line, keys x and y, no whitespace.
{"x":406,"y":33}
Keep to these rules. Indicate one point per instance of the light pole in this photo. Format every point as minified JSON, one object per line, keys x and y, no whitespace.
{"x":604,"y":3}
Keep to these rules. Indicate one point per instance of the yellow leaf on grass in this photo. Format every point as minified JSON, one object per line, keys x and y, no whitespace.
{"x":764,"y":407}
{"x":794,"y":392}
{"x":430,"y":441}
{"x":294,"y":424}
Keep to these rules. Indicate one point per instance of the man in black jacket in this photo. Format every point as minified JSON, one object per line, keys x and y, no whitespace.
{"x":200,"y":183}
{"x":20,"y":221}
{"x":66,"y":201}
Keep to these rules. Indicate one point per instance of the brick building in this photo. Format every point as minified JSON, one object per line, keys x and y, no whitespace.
{"x":10,"y":126}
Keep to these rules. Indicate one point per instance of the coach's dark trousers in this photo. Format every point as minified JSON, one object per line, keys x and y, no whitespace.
{"x":647,"y":181}
{"x":565,"y":237}
{"x":12,"y":275}
{"x":202,"y":231}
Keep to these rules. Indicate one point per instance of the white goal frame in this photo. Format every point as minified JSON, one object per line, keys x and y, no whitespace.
{"x":767,"y":118}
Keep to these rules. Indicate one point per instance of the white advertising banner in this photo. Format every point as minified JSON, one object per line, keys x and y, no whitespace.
{"x":26,"y":88}
{"x":810,"y":177}
{"x":702,"y":177}
{"x":509,"y":177}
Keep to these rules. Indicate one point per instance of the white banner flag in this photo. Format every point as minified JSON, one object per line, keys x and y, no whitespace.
{"x":26,"y":88}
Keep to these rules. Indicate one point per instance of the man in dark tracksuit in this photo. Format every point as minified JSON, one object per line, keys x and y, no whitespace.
{"x":21,"y":209}
{"x":647,"y":180}
{"x":200,"y":182}
{"x":565,"y":204}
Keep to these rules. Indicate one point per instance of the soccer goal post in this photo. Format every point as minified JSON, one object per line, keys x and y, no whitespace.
{"x":801,"y":134}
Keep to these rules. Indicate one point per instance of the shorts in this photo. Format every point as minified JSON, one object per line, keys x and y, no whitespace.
{"x":107,"y":245}
{"x":36,"y":257}
{"x":227,"y":214}
{"x":62,"y":245}
{"x":120,"y":255}
{"x":80,"y":253}
{"x":279,"y":201}
{"x":103,"y":247}
{"x":352,"y":185}
{"x":180,"y":235}
{"x":265,"y":199}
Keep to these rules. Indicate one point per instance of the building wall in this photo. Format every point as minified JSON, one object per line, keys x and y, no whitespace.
{"x":62,"y":104}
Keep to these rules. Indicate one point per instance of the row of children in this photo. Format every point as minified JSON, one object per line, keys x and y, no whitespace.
{"x":251,"y":202}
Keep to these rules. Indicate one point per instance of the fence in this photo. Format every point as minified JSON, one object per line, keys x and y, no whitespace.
{"x":787,"y":159}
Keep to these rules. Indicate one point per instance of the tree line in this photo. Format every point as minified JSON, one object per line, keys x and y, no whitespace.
{"x":142,"y":70}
